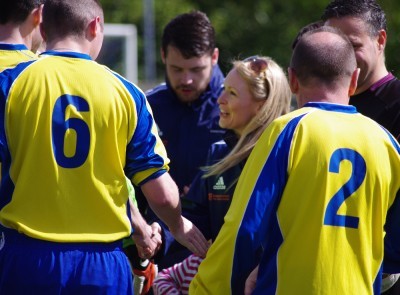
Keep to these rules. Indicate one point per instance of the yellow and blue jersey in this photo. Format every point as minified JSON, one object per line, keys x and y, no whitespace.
{"x":13,"y":54}
{"x":310,"y":208}
{"x":70,"y":131}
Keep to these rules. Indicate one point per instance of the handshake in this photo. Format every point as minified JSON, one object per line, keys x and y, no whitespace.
{"x":148,"y":240}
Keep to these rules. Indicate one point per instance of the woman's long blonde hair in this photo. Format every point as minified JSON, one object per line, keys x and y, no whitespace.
{"x":270,"y":85}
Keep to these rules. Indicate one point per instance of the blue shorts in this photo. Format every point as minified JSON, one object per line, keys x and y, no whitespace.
{"x":32,"y":266}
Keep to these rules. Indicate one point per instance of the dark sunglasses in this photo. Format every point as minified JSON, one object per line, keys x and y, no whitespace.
{"x":257,"y":64}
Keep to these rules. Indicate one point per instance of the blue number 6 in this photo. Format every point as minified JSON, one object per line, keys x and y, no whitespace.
{"x":359,"y":169}
{"x":60,"y":126}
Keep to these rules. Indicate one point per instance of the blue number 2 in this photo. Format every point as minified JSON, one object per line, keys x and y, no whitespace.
{"x":357,"y":177}
{"x":60,"y":126}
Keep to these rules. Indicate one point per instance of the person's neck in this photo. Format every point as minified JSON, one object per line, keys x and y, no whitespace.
{"x":321,"y":95}
{"x":379,"y":73}
{"x":10,"y":34}
{"x":69,"y":45}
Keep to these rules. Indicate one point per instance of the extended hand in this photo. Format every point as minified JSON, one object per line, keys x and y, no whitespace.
{"x":191,"y":237}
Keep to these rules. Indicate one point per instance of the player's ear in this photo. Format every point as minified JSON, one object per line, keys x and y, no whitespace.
{"x":37,"y":15}
{"x":94,"y":27}
{"x":381,"y":40}
{"x":214,"y":56}
{"x":353,"y":81}
{"x":163,"y":55}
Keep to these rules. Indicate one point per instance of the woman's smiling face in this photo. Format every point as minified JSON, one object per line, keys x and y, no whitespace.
{"x":236,"y":104}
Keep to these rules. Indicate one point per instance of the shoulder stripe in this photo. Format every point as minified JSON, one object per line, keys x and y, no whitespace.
{"x":8,"y":76}
{"x":393,"y":140}
{"x":125,"y":81}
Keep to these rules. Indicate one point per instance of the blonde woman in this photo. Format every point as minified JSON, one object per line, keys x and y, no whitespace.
{"x":256,"y":92}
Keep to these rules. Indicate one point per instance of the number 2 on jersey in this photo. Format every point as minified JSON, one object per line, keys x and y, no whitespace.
{"x":359,"y":169}
{"x":61,"y":125}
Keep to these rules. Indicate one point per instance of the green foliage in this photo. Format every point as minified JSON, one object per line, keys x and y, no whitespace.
{"x":392,"y":9}
{"x":246,"y":27}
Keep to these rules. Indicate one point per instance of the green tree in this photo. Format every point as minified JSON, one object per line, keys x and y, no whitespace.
{"x":246,"y":27}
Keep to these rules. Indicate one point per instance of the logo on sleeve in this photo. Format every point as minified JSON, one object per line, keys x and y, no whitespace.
{"x":220,"y":185}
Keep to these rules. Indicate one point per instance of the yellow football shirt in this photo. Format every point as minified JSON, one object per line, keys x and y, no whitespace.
{"x":71,"y":130}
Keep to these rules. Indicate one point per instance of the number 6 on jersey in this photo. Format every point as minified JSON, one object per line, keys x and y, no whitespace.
{"x":60,"y":127}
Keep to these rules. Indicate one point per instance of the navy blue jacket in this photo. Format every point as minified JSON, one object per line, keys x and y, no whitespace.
{"x":187,"y":130}
{"x":206,"y":203}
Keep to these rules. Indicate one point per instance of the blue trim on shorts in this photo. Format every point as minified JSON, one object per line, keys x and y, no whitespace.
{"x":18,"y":239}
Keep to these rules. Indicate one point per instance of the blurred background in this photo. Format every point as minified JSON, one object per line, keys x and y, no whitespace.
{"x":243,"y":28}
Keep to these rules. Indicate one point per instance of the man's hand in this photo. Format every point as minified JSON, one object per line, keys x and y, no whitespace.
{"x":163,"y":197}
{"x":148,"y":240}
{"x":191,"y":237}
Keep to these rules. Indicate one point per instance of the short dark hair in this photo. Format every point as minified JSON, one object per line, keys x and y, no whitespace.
{"x":69,"y":17}
{"x":191,"y":33}
{"x":323,"y":61}
{"x":367,"y":10}
{"x":16,"y":11}
{"x":305,"y":29}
